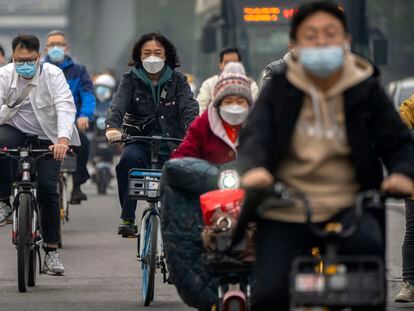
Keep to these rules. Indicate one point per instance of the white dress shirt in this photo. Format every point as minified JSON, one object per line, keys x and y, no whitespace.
{"x":50,"y":99}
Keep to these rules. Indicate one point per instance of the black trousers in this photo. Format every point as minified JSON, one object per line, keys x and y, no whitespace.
{"x":408,"y":245}
{"x":278,"y":243}
{"x":47,"y":181}
{"x":82,"y":155}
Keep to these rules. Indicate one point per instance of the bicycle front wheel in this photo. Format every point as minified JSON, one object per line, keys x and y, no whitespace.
{"x":148,"y":259}
{"x":32,"y":268}
{"x":24,"y":240}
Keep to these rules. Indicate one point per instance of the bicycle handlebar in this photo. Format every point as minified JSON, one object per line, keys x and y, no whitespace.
{"x":370,"y":198}
{"x":253,"y":207}
{"x":128,"y":138}
{"x":15,"y":152}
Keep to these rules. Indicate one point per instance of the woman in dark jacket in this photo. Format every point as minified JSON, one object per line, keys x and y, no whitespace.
{"x":152,"y":99}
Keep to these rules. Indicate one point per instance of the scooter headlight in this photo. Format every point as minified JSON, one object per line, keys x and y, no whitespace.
{"x":229,"y":179}
{"x":100,"y":123}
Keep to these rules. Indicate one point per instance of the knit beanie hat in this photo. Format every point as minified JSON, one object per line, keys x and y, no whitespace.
{"x":232,"y":81}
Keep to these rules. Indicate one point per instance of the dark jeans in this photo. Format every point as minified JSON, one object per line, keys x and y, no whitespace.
{"x":278,"y":243}
{"x":47,"y":181}
{"x":82,"y":155}
{"x":134,"y":155}
{"x":408,"y":245}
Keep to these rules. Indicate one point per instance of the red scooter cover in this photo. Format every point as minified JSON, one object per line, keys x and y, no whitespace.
{"x":226,"y":201}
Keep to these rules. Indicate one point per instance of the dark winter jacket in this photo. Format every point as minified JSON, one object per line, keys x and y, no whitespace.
{"x":271,"y":69}
{"x":135,"y":109}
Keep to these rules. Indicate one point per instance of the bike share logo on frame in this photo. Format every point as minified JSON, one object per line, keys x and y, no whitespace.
{"x":136,"y":173}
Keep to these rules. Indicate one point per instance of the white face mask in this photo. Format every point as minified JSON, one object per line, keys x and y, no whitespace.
{"x":153,"y":64}
{"x":234,"y":114}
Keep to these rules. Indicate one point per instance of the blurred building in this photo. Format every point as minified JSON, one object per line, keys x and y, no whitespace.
{"x":30,"y":16}
{"x":102,"y":32}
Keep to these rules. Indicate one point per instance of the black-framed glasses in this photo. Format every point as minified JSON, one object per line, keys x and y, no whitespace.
{"x":27,"y":61}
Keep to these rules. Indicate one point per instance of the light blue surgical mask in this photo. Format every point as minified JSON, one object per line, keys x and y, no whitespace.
{"x":322,"y":61}
{"x":103,"y":93}
{"x":26,"y":70}
{"x":56,"y":53}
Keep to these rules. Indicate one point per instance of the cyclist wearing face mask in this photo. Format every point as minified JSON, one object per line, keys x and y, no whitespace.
{"x":214,"y":135}
{"x":35,"y":99}
{"x":324,"y":127}
{"x":82,"y":90}
{"x":152,"y":99}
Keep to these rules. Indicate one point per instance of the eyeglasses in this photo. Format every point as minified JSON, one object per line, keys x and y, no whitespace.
{"x":25,"y":61}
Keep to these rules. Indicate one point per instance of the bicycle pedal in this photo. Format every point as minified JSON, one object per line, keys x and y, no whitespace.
{"x":128,"y":236}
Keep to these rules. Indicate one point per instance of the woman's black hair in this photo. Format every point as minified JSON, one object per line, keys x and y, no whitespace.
{"x":170,"y":50}
{"x":310,"y":8}
{"x":28,"y":42}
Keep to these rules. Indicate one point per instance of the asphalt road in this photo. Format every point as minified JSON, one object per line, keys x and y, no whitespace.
{"x":102,"y":273}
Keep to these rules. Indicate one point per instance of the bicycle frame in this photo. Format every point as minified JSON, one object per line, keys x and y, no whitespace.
{"x":26,"y":229}
{"x":144,"y":186}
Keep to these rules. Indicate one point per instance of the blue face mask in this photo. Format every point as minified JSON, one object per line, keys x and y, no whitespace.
{"x":103,"y":93}
{"x":56,"y":54}
{"x":26,"y":70}
{"x":322,"y":61}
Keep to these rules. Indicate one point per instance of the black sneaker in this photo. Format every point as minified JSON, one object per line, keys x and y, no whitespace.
{"x":127,"y":229}
{"x":78,"y":196}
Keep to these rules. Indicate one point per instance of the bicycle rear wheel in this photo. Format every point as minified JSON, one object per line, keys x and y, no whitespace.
{"x":24,"y":240}
{"x":148,"y":259}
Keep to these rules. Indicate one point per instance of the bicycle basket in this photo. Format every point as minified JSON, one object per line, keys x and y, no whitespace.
{"x":69,"y":164}
{"x":144,"y":184}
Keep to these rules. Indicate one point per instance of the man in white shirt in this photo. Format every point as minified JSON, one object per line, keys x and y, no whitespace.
{"x":48,"y":111}
{"x":206,"y":92}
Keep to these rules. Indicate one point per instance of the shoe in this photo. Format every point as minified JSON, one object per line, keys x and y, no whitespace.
{"x":53,"y":265}
{"x":127,"y":229}
{"x":5,"y":212}
{"x":78,"y":196}
{"x":406,"y":293}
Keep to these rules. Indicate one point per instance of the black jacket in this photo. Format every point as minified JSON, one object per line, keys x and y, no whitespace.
{"x":374,"y":129}
{"x":133,"y":104}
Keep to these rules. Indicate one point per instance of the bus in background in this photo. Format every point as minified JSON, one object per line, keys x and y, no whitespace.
{"x":260,"y":29}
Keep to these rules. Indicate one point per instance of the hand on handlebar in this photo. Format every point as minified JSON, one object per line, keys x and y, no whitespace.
{"x":257,"y":178}
{"x":59,"y":149}
{"x":398,"y":184}
{"x":113,"y":135}
{"x":83,"y":123}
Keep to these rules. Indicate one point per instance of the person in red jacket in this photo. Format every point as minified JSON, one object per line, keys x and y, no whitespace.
{"x":214,"y":135}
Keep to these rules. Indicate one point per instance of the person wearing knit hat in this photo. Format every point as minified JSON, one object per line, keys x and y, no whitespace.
{"x":214,"y":135}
